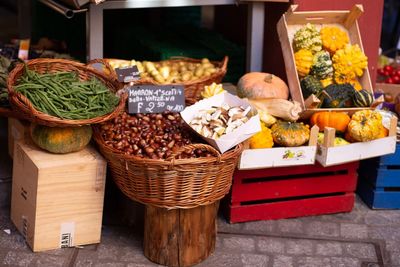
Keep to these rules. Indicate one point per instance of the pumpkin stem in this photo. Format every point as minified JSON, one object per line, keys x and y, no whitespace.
{"x":268,"y":78}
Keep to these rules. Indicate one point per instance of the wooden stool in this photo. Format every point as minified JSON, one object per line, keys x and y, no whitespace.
{"x":180,"y":237}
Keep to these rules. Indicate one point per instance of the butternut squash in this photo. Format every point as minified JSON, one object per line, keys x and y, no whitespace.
{"x":281,"y":108}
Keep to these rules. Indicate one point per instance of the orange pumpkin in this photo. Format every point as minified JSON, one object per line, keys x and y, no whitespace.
{"x":337,"y":120}
{"x":259,"y":85}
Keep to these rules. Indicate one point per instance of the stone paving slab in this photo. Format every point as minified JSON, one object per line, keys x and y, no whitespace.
{"x":235,"y":246}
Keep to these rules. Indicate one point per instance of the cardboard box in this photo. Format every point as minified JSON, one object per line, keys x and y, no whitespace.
{"x":328,"y":155}
{"x":226,"y":141}
{"x":17,"y":131}
{"x":251,"y":159}
{"x":287,"y":26}
{"x":393,"y":89}
{"x":57,"y":199}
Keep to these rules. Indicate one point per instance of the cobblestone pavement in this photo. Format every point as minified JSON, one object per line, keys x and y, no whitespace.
{"x":362,"y":237}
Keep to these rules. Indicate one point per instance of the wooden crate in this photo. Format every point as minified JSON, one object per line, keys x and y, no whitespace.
{"x":297,"y":191}
{"x":17,"y":131}
{"x":291,"y":21}
{"x":57,"y":199}
{"x":379,"y":183}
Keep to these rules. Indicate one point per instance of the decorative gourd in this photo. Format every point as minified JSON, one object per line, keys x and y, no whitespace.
{"x":362,"y":98}
{"x":266,"y":118}
{"x":308,"y":37}
{"x":365,"y":125}
{"x":262,"y":139}
{"x":337,"y":96}
{"x":304,"y":59}
{"x":259,"y":85}
{"x":349,"y":63}
{"x":333,"y":38}
{"x":61,"y":140}
{"x":356,"y":84}
{"x":326,"y":82}
{"x":310,"y":85}
{"x":337,"y":142}
{"x":290,"y":134}
{"x":383,"y":132}
{"x":322,"y":65}
{"x":212,"y":90}
{"x":337,"y":120}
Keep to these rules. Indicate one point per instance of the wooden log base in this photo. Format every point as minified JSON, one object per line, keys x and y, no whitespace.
{"x":180,"y":237}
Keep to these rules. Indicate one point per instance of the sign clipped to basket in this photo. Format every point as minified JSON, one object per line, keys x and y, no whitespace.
{"x":223,"y":120}
{"x":128,"y":74}
{"x":155,"y":98}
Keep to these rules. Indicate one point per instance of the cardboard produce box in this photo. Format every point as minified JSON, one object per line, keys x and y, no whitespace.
{"x":57,"y":199}
{"x":291,"y":21}
{"x":328,"y":154}
{"x":238,"y":135}
{"x":261,"y":158}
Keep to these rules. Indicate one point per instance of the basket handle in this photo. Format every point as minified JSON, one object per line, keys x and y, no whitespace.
{"x":209,"y":148}
{"x":104,"y":63}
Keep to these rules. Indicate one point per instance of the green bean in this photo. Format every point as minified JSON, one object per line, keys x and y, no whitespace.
{"x":62,"y":94}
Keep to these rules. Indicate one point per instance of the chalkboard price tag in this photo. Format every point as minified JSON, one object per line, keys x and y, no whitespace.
{"x":155,"y":98}
{"x":128,"y":74}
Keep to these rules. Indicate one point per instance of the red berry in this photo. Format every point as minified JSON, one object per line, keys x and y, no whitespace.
{"x":388,"y":68}
{"x":389,"y":80}
{"x":396,"y":78}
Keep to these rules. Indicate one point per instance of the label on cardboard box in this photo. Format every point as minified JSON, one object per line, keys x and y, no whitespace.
{"x":67,"y":234}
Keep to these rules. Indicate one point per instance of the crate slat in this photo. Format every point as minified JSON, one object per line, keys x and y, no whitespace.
{"x":274,"y":189}
{"x":292,"y":208}
{"x":376,"y":198}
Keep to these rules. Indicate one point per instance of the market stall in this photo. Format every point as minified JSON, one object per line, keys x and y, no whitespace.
{"x":178,"y":142}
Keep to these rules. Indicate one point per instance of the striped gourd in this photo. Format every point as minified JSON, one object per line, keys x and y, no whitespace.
{"x":362,"y":98}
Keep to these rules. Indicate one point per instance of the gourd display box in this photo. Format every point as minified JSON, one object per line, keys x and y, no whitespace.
{"x":292,"y":21}
{"x":260,"y":158}
{"x":328,"y":154}
{"x":57,"y":200}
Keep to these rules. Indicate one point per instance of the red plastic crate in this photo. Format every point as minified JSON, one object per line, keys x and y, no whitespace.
{"x":279,"y":193}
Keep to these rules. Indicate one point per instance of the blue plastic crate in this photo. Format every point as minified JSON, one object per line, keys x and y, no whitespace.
{"x":379,"y":181}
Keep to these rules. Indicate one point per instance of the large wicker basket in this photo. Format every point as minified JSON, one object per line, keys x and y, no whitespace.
{"x":174,"y":183}
{"x":192,"y":88}
{"x":24,"y":108}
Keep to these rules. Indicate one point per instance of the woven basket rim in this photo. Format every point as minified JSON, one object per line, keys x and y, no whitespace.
{"x":223,"y":64}
{"x":22,"y":104}
{"x":162,"y":162}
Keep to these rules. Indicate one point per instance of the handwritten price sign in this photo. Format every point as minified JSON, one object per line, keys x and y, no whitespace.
{"x":156,"y":98}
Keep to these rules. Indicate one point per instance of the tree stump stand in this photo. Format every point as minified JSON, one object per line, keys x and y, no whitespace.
{"x":180,"y":237}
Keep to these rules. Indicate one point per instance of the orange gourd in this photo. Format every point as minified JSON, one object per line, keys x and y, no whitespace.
{"x":259,"y":85}
{"x":337,"y":120}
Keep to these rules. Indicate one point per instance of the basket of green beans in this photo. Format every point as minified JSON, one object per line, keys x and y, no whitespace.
{"x":63,"y":93}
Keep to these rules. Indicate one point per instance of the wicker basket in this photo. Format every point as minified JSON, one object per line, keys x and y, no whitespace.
{"x":24,"y":107}
{"x":192,"y":88}
{"x":174,"y":183}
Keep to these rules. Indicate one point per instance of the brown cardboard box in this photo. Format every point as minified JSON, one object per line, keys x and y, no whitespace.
{"x":57,"y":199}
